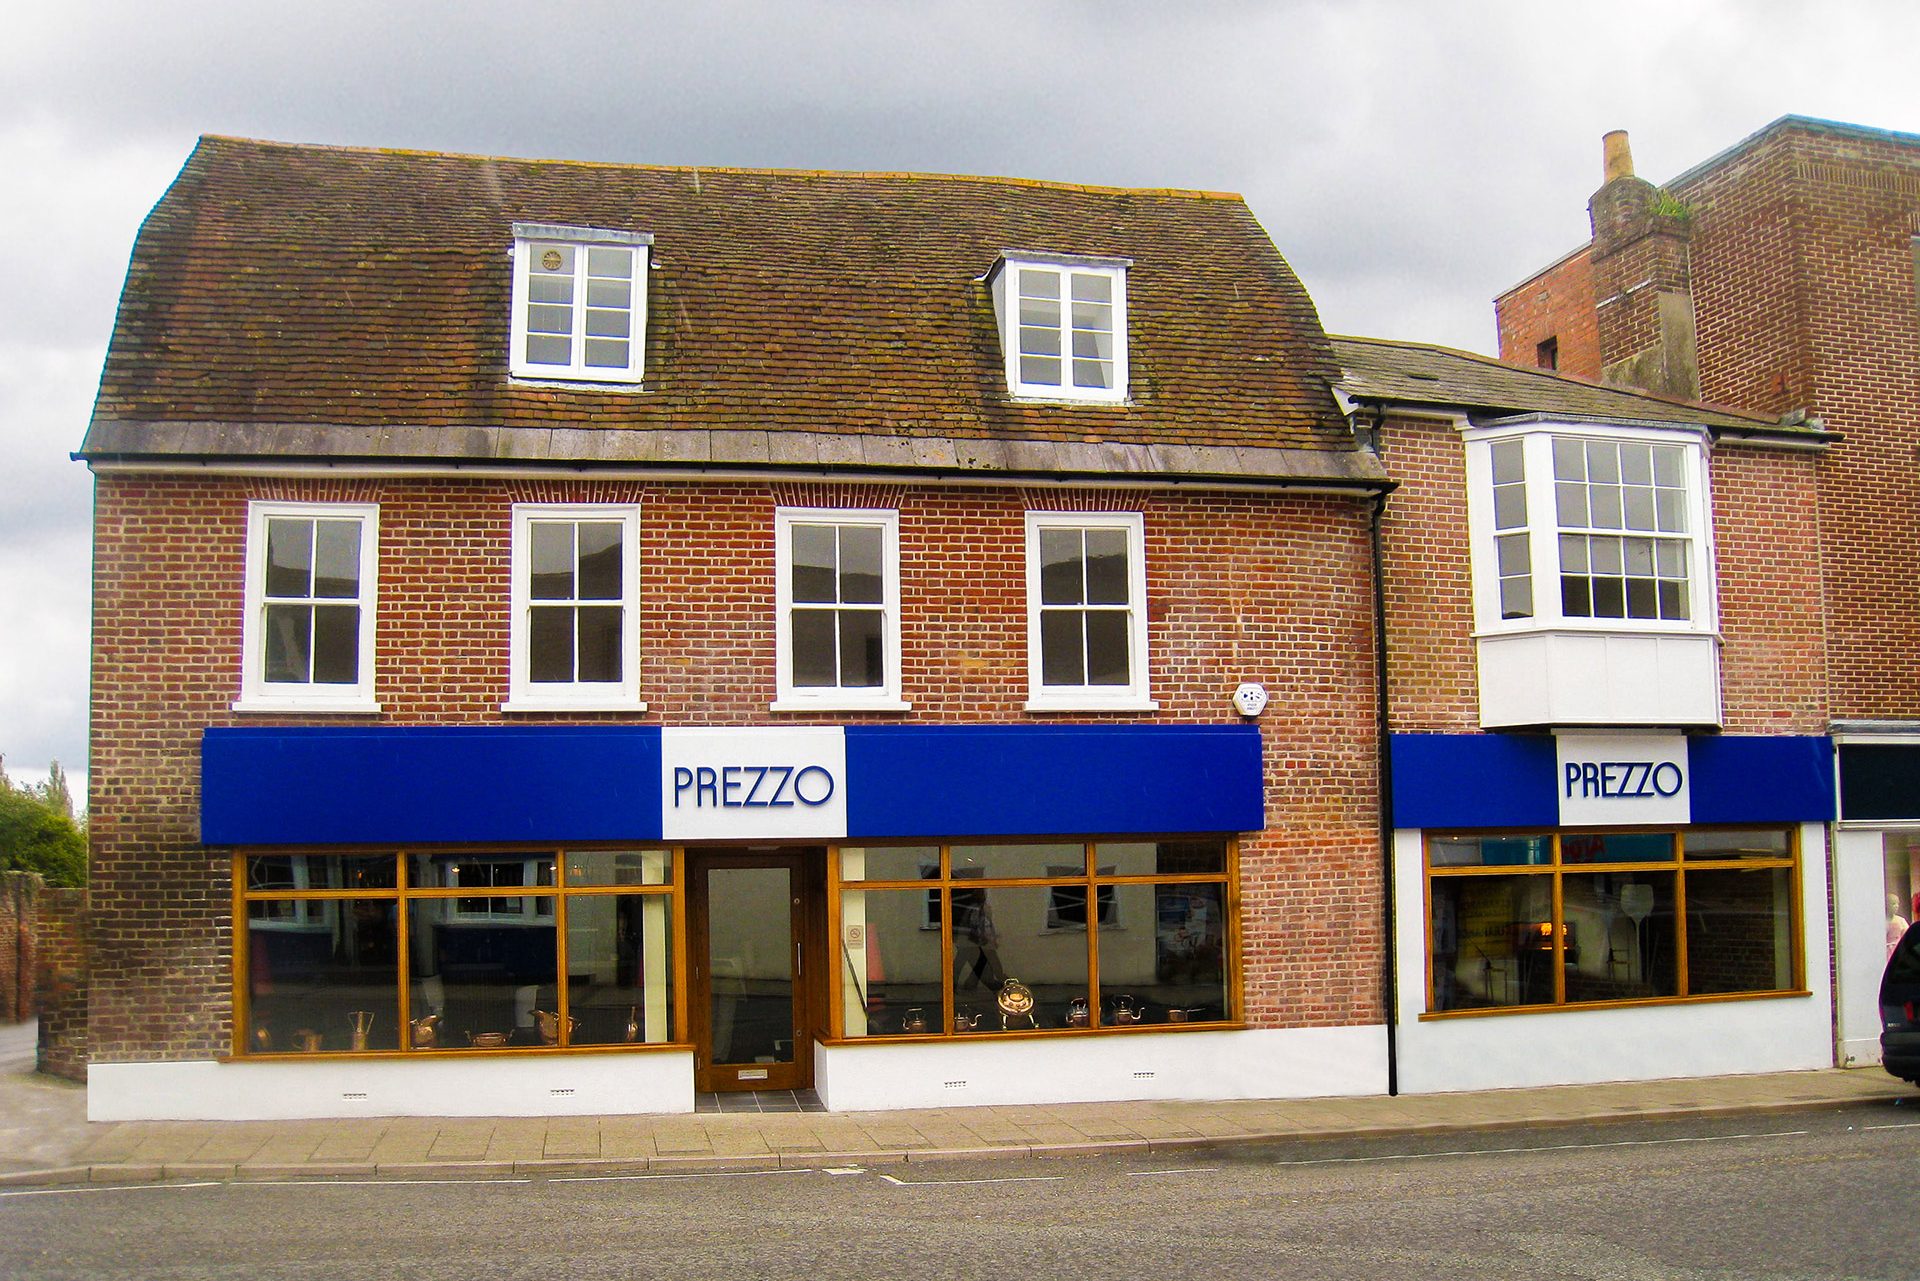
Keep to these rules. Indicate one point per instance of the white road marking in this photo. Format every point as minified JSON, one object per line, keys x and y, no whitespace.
{"x":846,"y":1169}
{"x":367,"y":1183}
{"x":1905,"y":1125}
{"x":955,"y":1183}
{"x":1148,"y":1174}
{"x":115,"y":1187}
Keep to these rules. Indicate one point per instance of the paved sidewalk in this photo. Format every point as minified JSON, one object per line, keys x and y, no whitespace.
{"x":45,"y":1138}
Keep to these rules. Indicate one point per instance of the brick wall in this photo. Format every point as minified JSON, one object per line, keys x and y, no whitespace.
{"x":19,"y":898}
{"x":1240,"y":587}
{"x":1771,"y":658}
{"x":62,"y":988}
{"x":1558,"y":303}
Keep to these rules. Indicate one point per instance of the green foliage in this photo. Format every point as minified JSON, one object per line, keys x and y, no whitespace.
{"x":1668,"y":205}
{"x":37,"y":831}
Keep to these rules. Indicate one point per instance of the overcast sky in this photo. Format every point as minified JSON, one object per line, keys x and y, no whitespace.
{"x":1410,"y":159}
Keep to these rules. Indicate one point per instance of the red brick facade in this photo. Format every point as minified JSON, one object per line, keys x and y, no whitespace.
{"x":1240,"y":587}
{"x":1555,"y":306}
{"x":1803,"y":287}
{"x":61,"y":990}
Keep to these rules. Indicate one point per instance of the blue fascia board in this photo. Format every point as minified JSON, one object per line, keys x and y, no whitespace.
{"x":1762,"y":778}
{"x":1474,"y":780}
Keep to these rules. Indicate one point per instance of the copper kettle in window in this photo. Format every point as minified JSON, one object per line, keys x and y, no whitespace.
{"x":426,"y":1031}
{"x":1079,"y":1012}
{"x":548,"y":1021}
{"x":1125,"y":1010}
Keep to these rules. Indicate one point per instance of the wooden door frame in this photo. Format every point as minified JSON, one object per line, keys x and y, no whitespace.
{"x":807,"y":866}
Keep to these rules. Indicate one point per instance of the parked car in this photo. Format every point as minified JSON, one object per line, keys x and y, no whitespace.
{"x":1900,"y":1008}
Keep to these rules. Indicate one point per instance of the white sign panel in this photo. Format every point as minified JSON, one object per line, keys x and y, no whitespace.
{"x":1609,"y":779}
{"x":753,"y":784}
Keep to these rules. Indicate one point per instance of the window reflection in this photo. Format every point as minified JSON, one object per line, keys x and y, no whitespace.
{"x":320,"y":976}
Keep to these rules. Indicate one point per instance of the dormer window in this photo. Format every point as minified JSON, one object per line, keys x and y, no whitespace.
{"x":1063,"y":325}
{"x":579,"y":303}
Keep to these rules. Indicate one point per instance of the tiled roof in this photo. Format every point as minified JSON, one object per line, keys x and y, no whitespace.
{"x":1423,"y":375}
{"x":325,"y":288}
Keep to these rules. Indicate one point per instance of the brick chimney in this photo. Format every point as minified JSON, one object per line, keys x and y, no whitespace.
{"x":1641,"y":278}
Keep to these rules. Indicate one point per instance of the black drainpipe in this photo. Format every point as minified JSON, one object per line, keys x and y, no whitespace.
{"x":1389,"y":981}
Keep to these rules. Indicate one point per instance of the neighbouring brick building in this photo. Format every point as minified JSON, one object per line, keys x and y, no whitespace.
{"x":1609,"y":771}
{"x":1780,"y":276}
{"x":569,"y":635}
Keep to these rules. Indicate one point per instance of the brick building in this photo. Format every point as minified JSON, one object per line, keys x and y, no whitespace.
{"x":570,"y":636}
{"x":1780,"y":276}
{"x":1609,"y":770}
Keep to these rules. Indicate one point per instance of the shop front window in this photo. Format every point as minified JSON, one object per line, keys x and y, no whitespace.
{"x":996,"y":938}
{"x":472,"y":951}
{"x":1587,"y":918}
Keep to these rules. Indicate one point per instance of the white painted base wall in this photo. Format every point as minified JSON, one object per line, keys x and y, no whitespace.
{"x":1571,"y":1047}
{"x":1860,"y":941}
{"x":507,"y":1085}
{"x":1257,"y":1064}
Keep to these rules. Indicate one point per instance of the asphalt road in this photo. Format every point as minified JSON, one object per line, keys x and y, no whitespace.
{"x":1827,"y":1195}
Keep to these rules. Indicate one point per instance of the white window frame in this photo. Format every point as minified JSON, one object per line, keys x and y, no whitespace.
{"x":1543,"y":531}
{"x":1006,"y":300}
{"x":532,"y":239}
{"x":525,"y":695}
{"x":257,"y":694}
{"x":1134,"y":695}
{"x":793,"y":698}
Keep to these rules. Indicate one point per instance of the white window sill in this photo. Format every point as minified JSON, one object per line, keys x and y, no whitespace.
{"x":1594,"y":627}
{"x":304,"y":706}
{"x":1070,"y":704}
{"x":572,"y":705}
{"x":577,"y":381}
{"x":1046,"y":396}
{"x":839,"y":705}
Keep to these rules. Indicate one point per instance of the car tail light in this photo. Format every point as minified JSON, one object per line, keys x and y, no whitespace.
{"x":1908,"y":1007}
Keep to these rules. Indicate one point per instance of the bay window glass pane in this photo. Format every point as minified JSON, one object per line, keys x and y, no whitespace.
{"x":549,"y":349}
{"x":815,"y":564}
{"x":814,"y":648}
{"x":1510,"y":507}
{"x":1000,"y":935}
{"x":480,"y":967}
{"x":996,"y":862}
{"x":860,"y":579}
{"x":1508,"y":463}
{"x":1605,"y":502}
{"x":619,"y":867}
{"x":609,"y":293}
{"x":889,"y":964}
{"x":1642,"y":602}
{"x":1163,"y":955}
{"x":1739,"y":930}
{"x":1061,"y":576}
{"x":1482,"y":932}
{"x":889,"y":862}
{"x":552,"y":560}
{"x":336,"y":559}
{"x":1106,"y":567}
{"x":322,"y":976}
{"x":1603,"y":462}
{"x":1107,"y":647}
{"x":1062,"y":657}
{"x":599,"y":642}
{"x":619,"y":969}
{"x":1570,"y":505}
{"x":552,"y":289}
{"x":861,"y":665}
{"x":1636,"y":464}
{"x":1513,"y":556}
{"x":288,"y":637}
{"x":1669,"y":471}
{"x":320,"y":871}
{"x":1673,"y":601}
{"x":1092,"y":373}
{"x":550,"y":644}
{"x":1639,"y":509}
{"x":1516,"y":598}
{"x":1576,"y":597}
{"x":1569,"y":459}
{"x":336,"y":644}
{"x":601,"y":576}
{"x":1609,"y":598}
{"x":1146,"y":858}
{"x":1620,"y":936}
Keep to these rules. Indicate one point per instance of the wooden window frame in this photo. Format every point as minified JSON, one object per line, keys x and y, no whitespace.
{"x":403,"y":892}
{"x":1093,"y":881}
{"x":1558,"y":869}
{"x":257,"y":694}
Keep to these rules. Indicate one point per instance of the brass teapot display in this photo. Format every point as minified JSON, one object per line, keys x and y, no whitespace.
{"x":914,"y":1021}
{"x":1125,"y":1010}
{"x":964,"y":1023}
{"x":633,"y":1024}
{"x":487,"y":1040}
{"x":308,"y":1041}
{"x":1015,"y":1002}
{"x":548,"y":1021}
{"x":1079,"y":1013}
{"x":362,"y":1021}
{"x":425,"y":1031}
